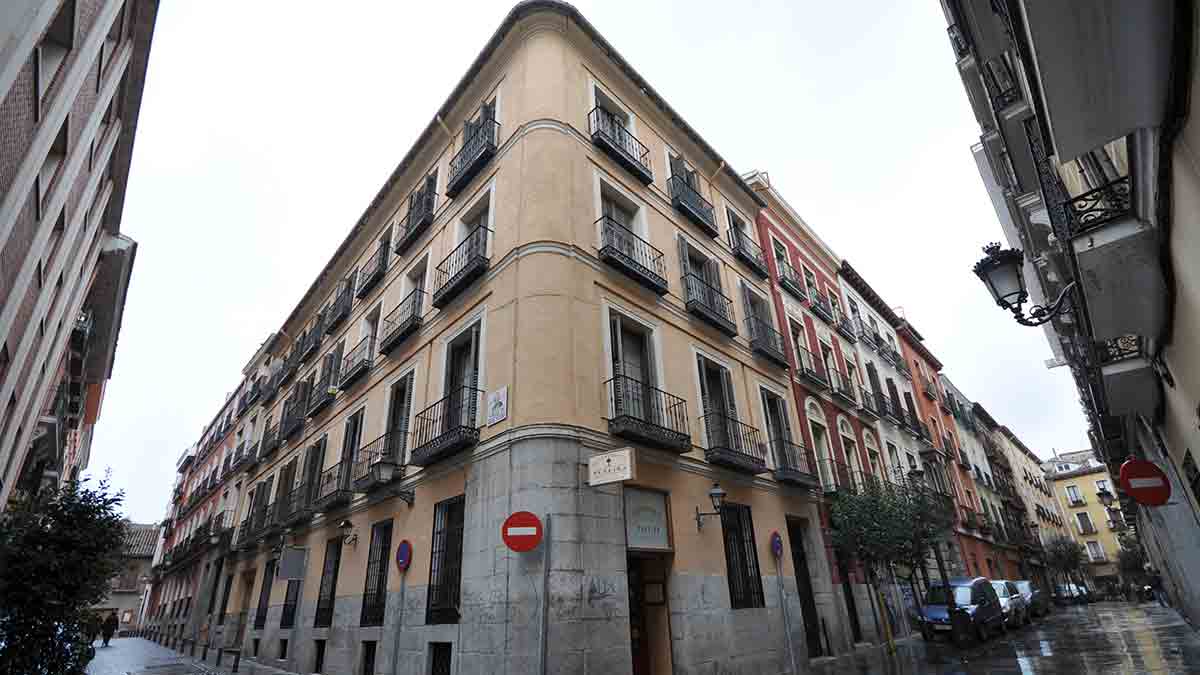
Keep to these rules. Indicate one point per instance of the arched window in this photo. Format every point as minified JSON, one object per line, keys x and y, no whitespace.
{"x":873,"y":453}
{"x":818,"y":431}
{"x":850,"y":448}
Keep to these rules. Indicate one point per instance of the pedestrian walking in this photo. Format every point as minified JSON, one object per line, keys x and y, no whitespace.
{"x":109,"y":627}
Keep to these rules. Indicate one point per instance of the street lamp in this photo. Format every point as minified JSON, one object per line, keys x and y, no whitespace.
{"x":1000,"y":271}
{"x":349,"y":536}
{"x":717,"y":495}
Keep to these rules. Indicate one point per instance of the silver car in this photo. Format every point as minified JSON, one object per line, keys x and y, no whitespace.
{"x":1012,"y":603}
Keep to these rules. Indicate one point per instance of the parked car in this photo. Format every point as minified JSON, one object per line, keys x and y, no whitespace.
{"x":1012,"y":603}
{"x":975,"y":598}
{"x":1035,"y":597}
{"x":1071,"y":593}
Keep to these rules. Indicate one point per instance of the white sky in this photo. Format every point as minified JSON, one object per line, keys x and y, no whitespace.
{"x":267,"y":127}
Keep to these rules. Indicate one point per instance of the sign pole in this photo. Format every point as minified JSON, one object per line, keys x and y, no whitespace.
{"x":777,"y":550}
{"x":545,"y":627}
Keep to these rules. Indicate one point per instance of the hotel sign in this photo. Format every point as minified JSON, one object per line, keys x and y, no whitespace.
{"x":646,"y":520}
{"x":612,"y":467}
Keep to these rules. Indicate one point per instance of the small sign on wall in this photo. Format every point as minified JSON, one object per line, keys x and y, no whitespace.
{"x":646,"y":520}
{"x":611,"y":467}
{"x":497,"y":405}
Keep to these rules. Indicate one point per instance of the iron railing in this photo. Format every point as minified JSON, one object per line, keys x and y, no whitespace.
{"x":333,"y":486}
{"x":476,"y":150}
{"x":1118,"y":349}
{"x":835,"y":476}
{"x":340,"y":309}
{"x":810,"y":367}
{"x":357,"y":362}
{"x":447,"y":426}
{"x":624,"y":249}
{"x":733,"y":443}
{"x":270,"y":440}
{"x":466,"y":262}
{"x":693,"y":205}
{"x":608,"y":132}
{"x":402,"y":321}
{"x":789,"y":279}
{"x":321,"y":396}
{"x":791,"y":461}
{"x":388,"y":448}
{"x":845,"y":326}
{"x":766,"y":341}
{"x":294,"y":408}
{"x":708,"y":303}
{"x":959,"y":40}
{"x":648,"y":414}
{"x":842,"y":386}
{"x":747,"y":250}
{"x":372,"y":271}
{"x":1101,"y":205}
{"x":419,"y":217}
{"x":868,"y":401}
{"x":820,"y":305}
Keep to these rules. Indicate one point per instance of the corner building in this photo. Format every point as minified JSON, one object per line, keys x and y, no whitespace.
{"x":561,"y":241}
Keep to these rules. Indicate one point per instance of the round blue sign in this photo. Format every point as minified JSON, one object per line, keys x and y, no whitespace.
{"x":404,"y":555}
{"x":776,"y":544}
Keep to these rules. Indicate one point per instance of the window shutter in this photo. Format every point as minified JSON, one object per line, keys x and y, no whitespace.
{"x":748,"y":304}
{"x":677,"y":167}
{"x":614,"y":326}
{"x":727,"y":385}
{"x":712,"y":273}
{"x":705,"y":396}
{"x":685,"y":264}
{"x":401,"y":431}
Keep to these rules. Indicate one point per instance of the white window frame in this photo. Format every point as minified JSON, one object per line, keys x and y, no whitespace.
{"x":460,"y":232}
{"x":762,"y":416}
{"x":414,"y":407}
{"x":607,"y":308}
{"x":600,"y":183}
{"x":697,"y":351}
{"x":750,"y":230}
{"x":463,"y":324}
{"x":593,"y":101}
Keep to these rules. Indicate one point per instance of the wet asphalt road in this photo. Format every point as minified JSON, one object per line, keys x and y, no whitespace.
{"x":1105,"y":637}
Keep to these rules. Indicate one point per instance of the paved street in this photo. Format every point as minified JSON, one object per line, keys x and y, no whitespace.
{"x":1100,"y":638}
{"x":134,"y":655}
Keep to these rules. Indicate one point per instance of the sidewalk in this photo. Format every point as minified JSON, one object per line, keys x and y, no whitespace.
{"x":133,"y":655}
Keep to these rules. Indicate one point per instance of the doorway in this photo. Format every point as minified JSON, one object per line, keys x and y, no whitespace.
{"x":649,"y":627}
{"x":848,"y":593}
{"x":796,"y":529}
{"x":244,"y":611}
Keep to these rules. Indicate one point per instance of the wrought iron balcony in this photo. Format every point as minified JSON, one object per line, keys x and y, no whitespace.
{"x":901,"y":366}
{"x":789,"y":279}
{"x":811,"y":369}
{"x":1118,"y":349}
{"x":290,"y":363}
{"x":865,"y":334}
{"x":265,"y":521}
{"x":475,"y":153}
{"x":970,"y":520}
{"x":688,"y":201}
{"x":466,"y":263}
{"x":963,"y":459}
{"x":820,"y":305}
{"x":733,"y":444}
{"x":843,"y":388}
{"x":889,"y":409}
{"x":868,"y":405}
{"x":270,"y":387}
{"x":845,"y":326}
{"x":294,"y":507}
{"x":402,"y":321}
{"x":446,"y":427}
{"x":748,"y":251}
{"x":323,"y":390}
{"x":1087,"y":529}
{"x":610,"y":135}
{"x":357,"y":363}
{"x":270,"y":440}
{"x":1102,"y":205}
{"x":985,"y":526}
{"x":647,"y":415}
{"x":294,"y":408}
{"x":340,"y":309}
{"x":333,"y":488}
{"x":948,"y":444}
{"x":311,"y":339}
{"x":792,"y":464}
{"x":959,"y":40}
{"x":709,"y":304}
{"x":379,"y":462}
{"x":251,"y":454}
{"x":929,"y":388}
{"x":246,"y":537}
{"x":631,"y":254}
{"x":835,"y":476}
{"x":416,"y":221}
{"x":372,"y":271}
{"x":766,"y":341}
{"x":239,"y":457}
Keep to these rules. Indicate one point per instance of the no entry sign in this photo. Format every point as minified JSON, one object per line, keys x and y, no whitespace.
{"x":522,"y":531}
{"x":404,"y":555}
{"x":1145,"y":482}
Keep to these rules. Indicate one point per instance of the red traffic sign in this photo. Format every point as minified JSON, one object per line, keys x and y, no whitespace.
{"x":522,"y":531}
{"x":1145,"y":482}
{"x":776,"y":544}
{"x":404,"y":555}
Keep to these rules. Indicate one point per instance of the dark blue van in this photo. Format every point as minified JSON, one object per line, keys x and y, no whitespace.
{"x":975,"y":597}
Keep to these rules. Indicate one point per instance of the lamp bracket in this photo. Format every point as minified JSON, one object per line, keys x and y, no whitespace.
{"x":701,"y":515}
{"x":1040,"y":314}
{"x":406,"y":495}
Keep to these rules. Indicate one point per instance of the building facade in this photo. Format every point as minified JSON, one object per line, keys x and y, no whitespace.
{"x":125,"y":590}
{"x":71,"y":75}
{"x":1081,"y":485}
{"x":1086,"y":151}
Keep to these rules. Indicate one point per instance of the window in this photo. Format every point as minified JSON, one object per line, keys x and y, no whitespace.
{"x":440,"y":658}
{"x":1101,"y":486}
{"x":701,"y":278}
{"x":741,"y":557}
{"x":461,"y":380}
{"x":283,"y":650}
{"x":1073,"y":495}
{"x":54,"y":47}
{"x":779,"y":428}
{"x":264,"y":595}
{"x":353,"y":435}
{"x":718,"y":402}
{"x":680,"y":169}
{"x":758,"y":312}
{"x":445,"y":564}
{"x":1095,"y":551}
{"x":368,"y":658}
{"x":1085,"y":523}
{"x":325,"y":595}
{"x":318,"y":656}
{"x":810,"y":282}
{"x":375,"y":589}
{"x":780,"y":252}
{"x":290,"y":600}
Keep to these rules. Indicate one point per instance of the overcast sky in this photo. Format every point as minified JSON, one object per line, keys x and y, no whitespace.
{"x":267,"y":127}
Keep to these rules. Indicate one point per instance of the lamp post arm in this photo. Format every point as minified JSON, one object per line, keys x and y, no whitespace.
{"x":1040,"y":314}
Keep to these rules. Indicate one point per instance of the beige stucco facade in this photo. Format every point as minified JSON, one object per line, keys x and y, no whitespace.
{"x":1077,"y":491}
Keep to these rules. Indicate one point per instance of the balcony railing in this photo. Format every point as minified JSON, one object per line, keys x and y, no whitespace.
{"x":901,"y":365}
{"x":294,"y":408}
{"x":812,"y":369}
{"x":270,"y":440}
{"x":929,"y":388}
{"x":1076,"y":501}
{"x":322,"y":391}
{"x":631,"y":254}
{"x":647,"y":415}
{"x":372,"y":271}
{"x":766,"y":341}
{"x":746,"y":250}
{"x":970,"y":521}
{"x":357,"y":362}
{"x":466,"y":263}
{"x":789,"y":279}
{"x":295,"y":507}
{"x":792,"y":464}
{"x":845,"y":326}
{"x":1101,"y":205}
{"x":446,"y":427}
{"x":1087,"y":529}
{"x":1118,"y":349}
{"x":402,"y":321}
{"x":820,"y":305}
{"x":690,"y":203}
{"x":416,"y":221}
{"x":476,"y":150}
{"x":709,"y":304}
{"x":270,"y":387}
{"x":964,"y":460}
{"x":379,"y":462}
{"x":311,"y":340}
{"x":865,"y":334}
{"x":959,"y":40}
{"x":290,"y":363}
{"x":868,"y":403}
{"x":948,"y":444}
{"x":889,"y":408}
{"x":843,"y":388}
{"x":835,"y":476}
{"x":609,"y":134}
{"x":733,"y":444}
{"x":333,"y":487}
{"x":340,"y":309}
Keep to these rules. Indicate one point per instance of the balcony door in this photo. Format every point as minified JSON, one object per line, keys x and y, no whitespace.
{"x":717,"y":400}
{"x":462,"y":380}
{"x":778,"y":429}
{"x":399,"y":408}
{"x":633,"y":370}
{"x":679,"y":168}
{"x":692,"y":261}
{"x":829,"y":361}
{"x":873,"y":379}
